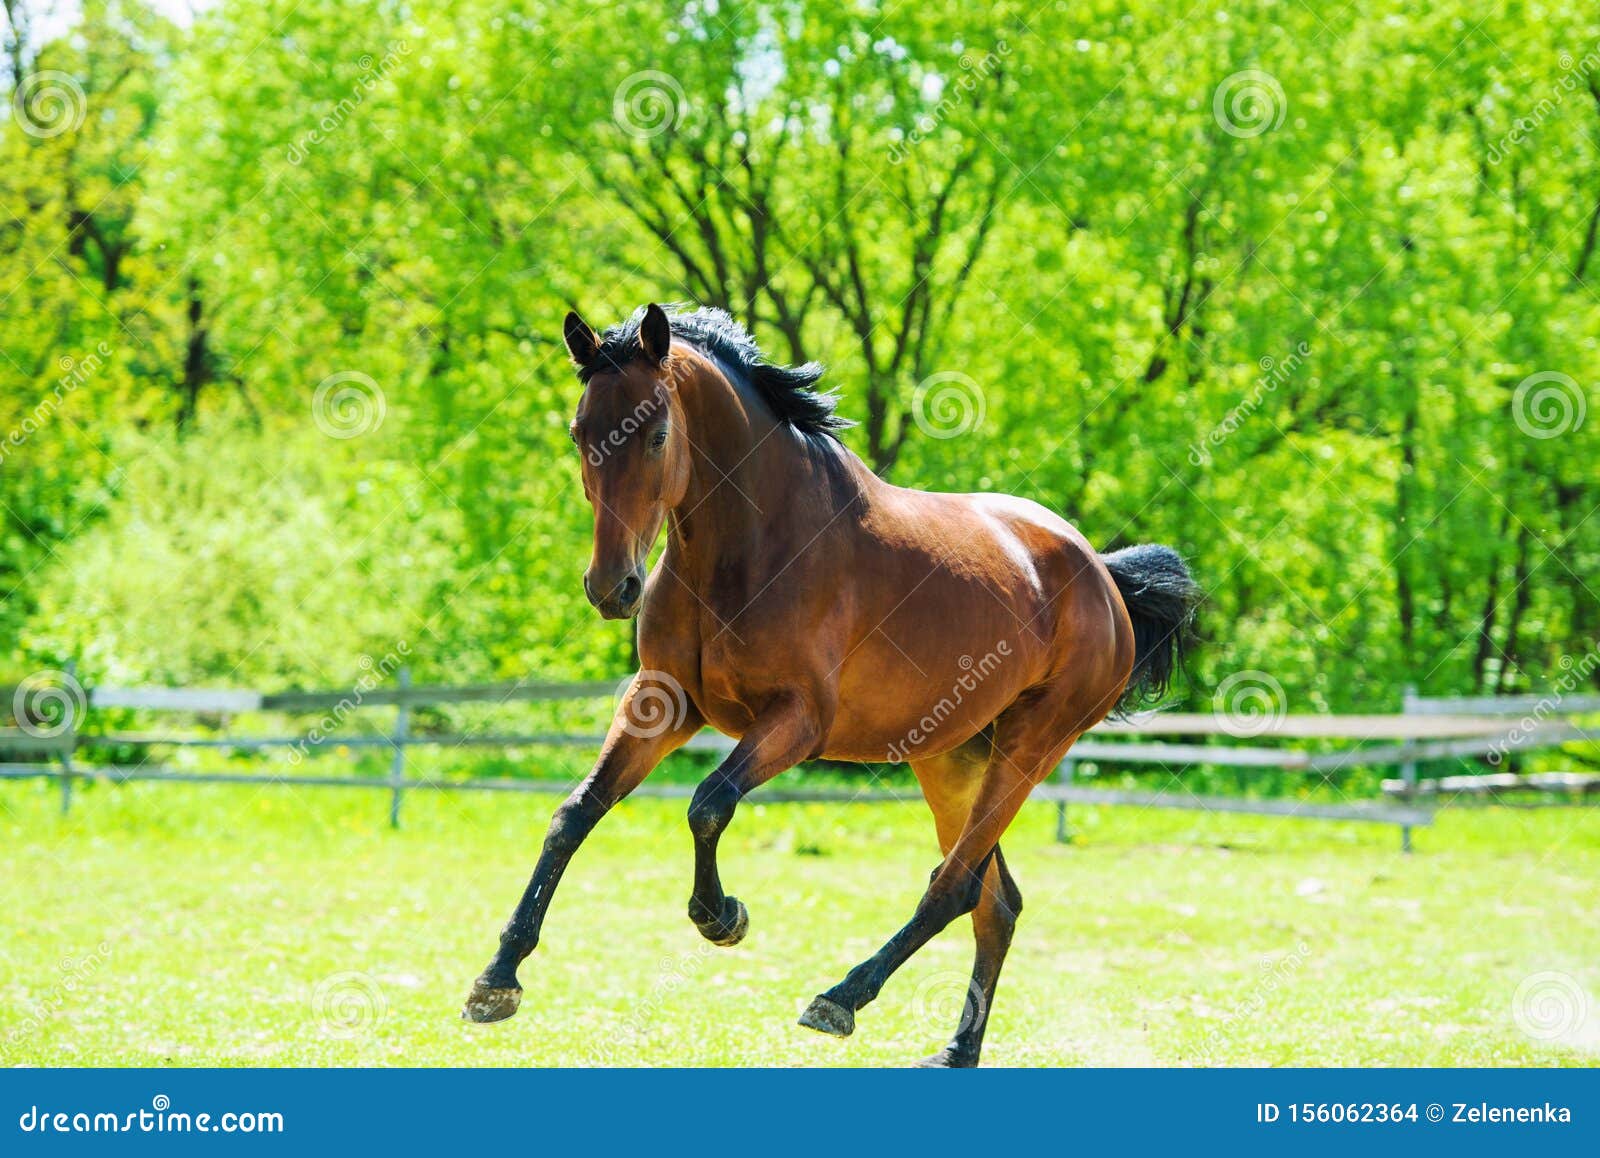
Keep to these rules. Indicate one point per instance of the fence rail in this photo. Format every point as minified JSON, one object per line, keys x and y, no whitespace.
{"x":1428,"y":729}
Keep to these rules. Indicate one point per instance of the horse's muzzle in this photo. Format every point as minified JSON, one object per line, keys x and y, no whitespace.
{"x":621,"y":600}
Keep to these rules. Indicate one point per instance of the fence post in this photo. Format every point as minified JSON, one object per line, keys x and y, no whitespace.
{"x":1408,"y":770}
{"x":1064,"y":775}
{"x":69,"y":738}
{"x":397,"y":766}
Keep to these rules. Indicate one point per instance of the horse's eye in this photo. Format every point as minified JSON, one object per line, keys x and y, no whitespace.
{"x":572,"y":433}
{"x":658,"y":438}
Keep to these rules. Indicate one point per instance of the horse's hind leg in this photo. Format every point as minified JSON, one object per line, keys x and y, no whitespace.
{"x":950,"y":784}
{"x":993,"y":922}
{"x":1030,"y":738}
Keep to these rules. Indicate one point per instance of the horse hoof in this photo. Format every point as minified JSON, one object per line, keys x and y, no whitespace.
{"x":730,"y":926}
{"x":946,"y":1059}
{"x":486,"y":1003}
{"x":827,"y":1016}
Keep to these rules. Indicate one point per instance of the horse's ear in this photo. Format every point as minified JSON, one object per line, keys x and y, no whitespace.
{"x":655,"y":334}
{"x":581,"y":342}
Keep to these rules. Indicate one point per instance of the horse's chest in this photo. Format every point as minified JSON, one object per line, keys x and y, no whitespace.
{"x":729,"y":692}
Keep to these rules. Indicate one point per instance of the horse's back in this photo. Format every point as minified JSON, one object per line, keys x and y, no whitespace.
{"x":964,"y":603}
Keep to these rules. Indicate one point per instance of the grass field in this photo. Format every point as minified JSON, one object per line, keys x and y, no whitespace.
{"x":174,"y":925}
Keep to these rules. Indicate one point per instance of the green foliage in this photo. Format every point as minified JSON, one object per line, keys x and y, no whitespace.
{"x":1269,"y":285}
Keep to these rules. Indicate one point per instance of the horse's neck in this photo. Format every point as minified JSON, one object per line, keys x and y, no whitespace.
{"x":746,"y":468}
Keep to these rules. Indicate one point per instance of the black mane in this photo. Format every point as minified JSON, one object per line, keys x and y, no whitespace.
{"x":789,"y":390}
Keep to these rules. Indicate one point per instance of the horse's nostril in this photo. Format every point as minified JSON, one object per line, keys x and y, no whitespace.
{"x":628,"y":591}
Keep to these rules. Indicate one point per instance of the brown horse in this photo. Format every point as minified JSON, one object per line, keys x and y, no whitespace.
{"x":810,"y":609}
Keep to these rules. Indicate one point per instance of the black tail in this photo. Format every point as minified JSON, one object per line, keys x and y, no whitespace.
{"x":1161,"y":597}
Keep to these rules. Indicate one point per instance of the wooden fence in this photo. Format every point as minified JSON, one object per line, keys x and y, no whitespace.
{"x":1427,"y":730}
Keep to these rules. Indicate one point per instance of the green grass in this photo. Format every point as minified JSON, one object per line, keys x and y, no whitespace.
{"x":174,"y":925}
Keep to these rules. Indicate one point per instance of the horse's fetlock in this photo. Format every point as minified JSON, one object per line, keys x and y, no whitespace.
{"x":711,"y":810}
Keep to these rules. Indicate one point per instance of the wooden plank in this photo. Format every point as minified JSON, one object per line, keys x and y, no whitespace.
{"x":176,"y":699}
{"x":705,"y":741}
{"x":1135,"y":753}
{"x":520,"y":691}
{"x":1497,"y":782}
{"x":120,"y":774}
{"x":1376,"y":812}
{"x":29,"y":771}
{"x":1305,"y":727}
{"x":235,"y":700}
{"x":1549,"y":705}
{"x":1508,"y":741}
{"x":21,"y":740}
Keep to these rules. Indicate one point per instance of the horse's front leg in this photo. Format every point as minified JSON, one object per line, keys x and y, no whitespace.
{"x":788,"y":731}
{"x":636,"y":743}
